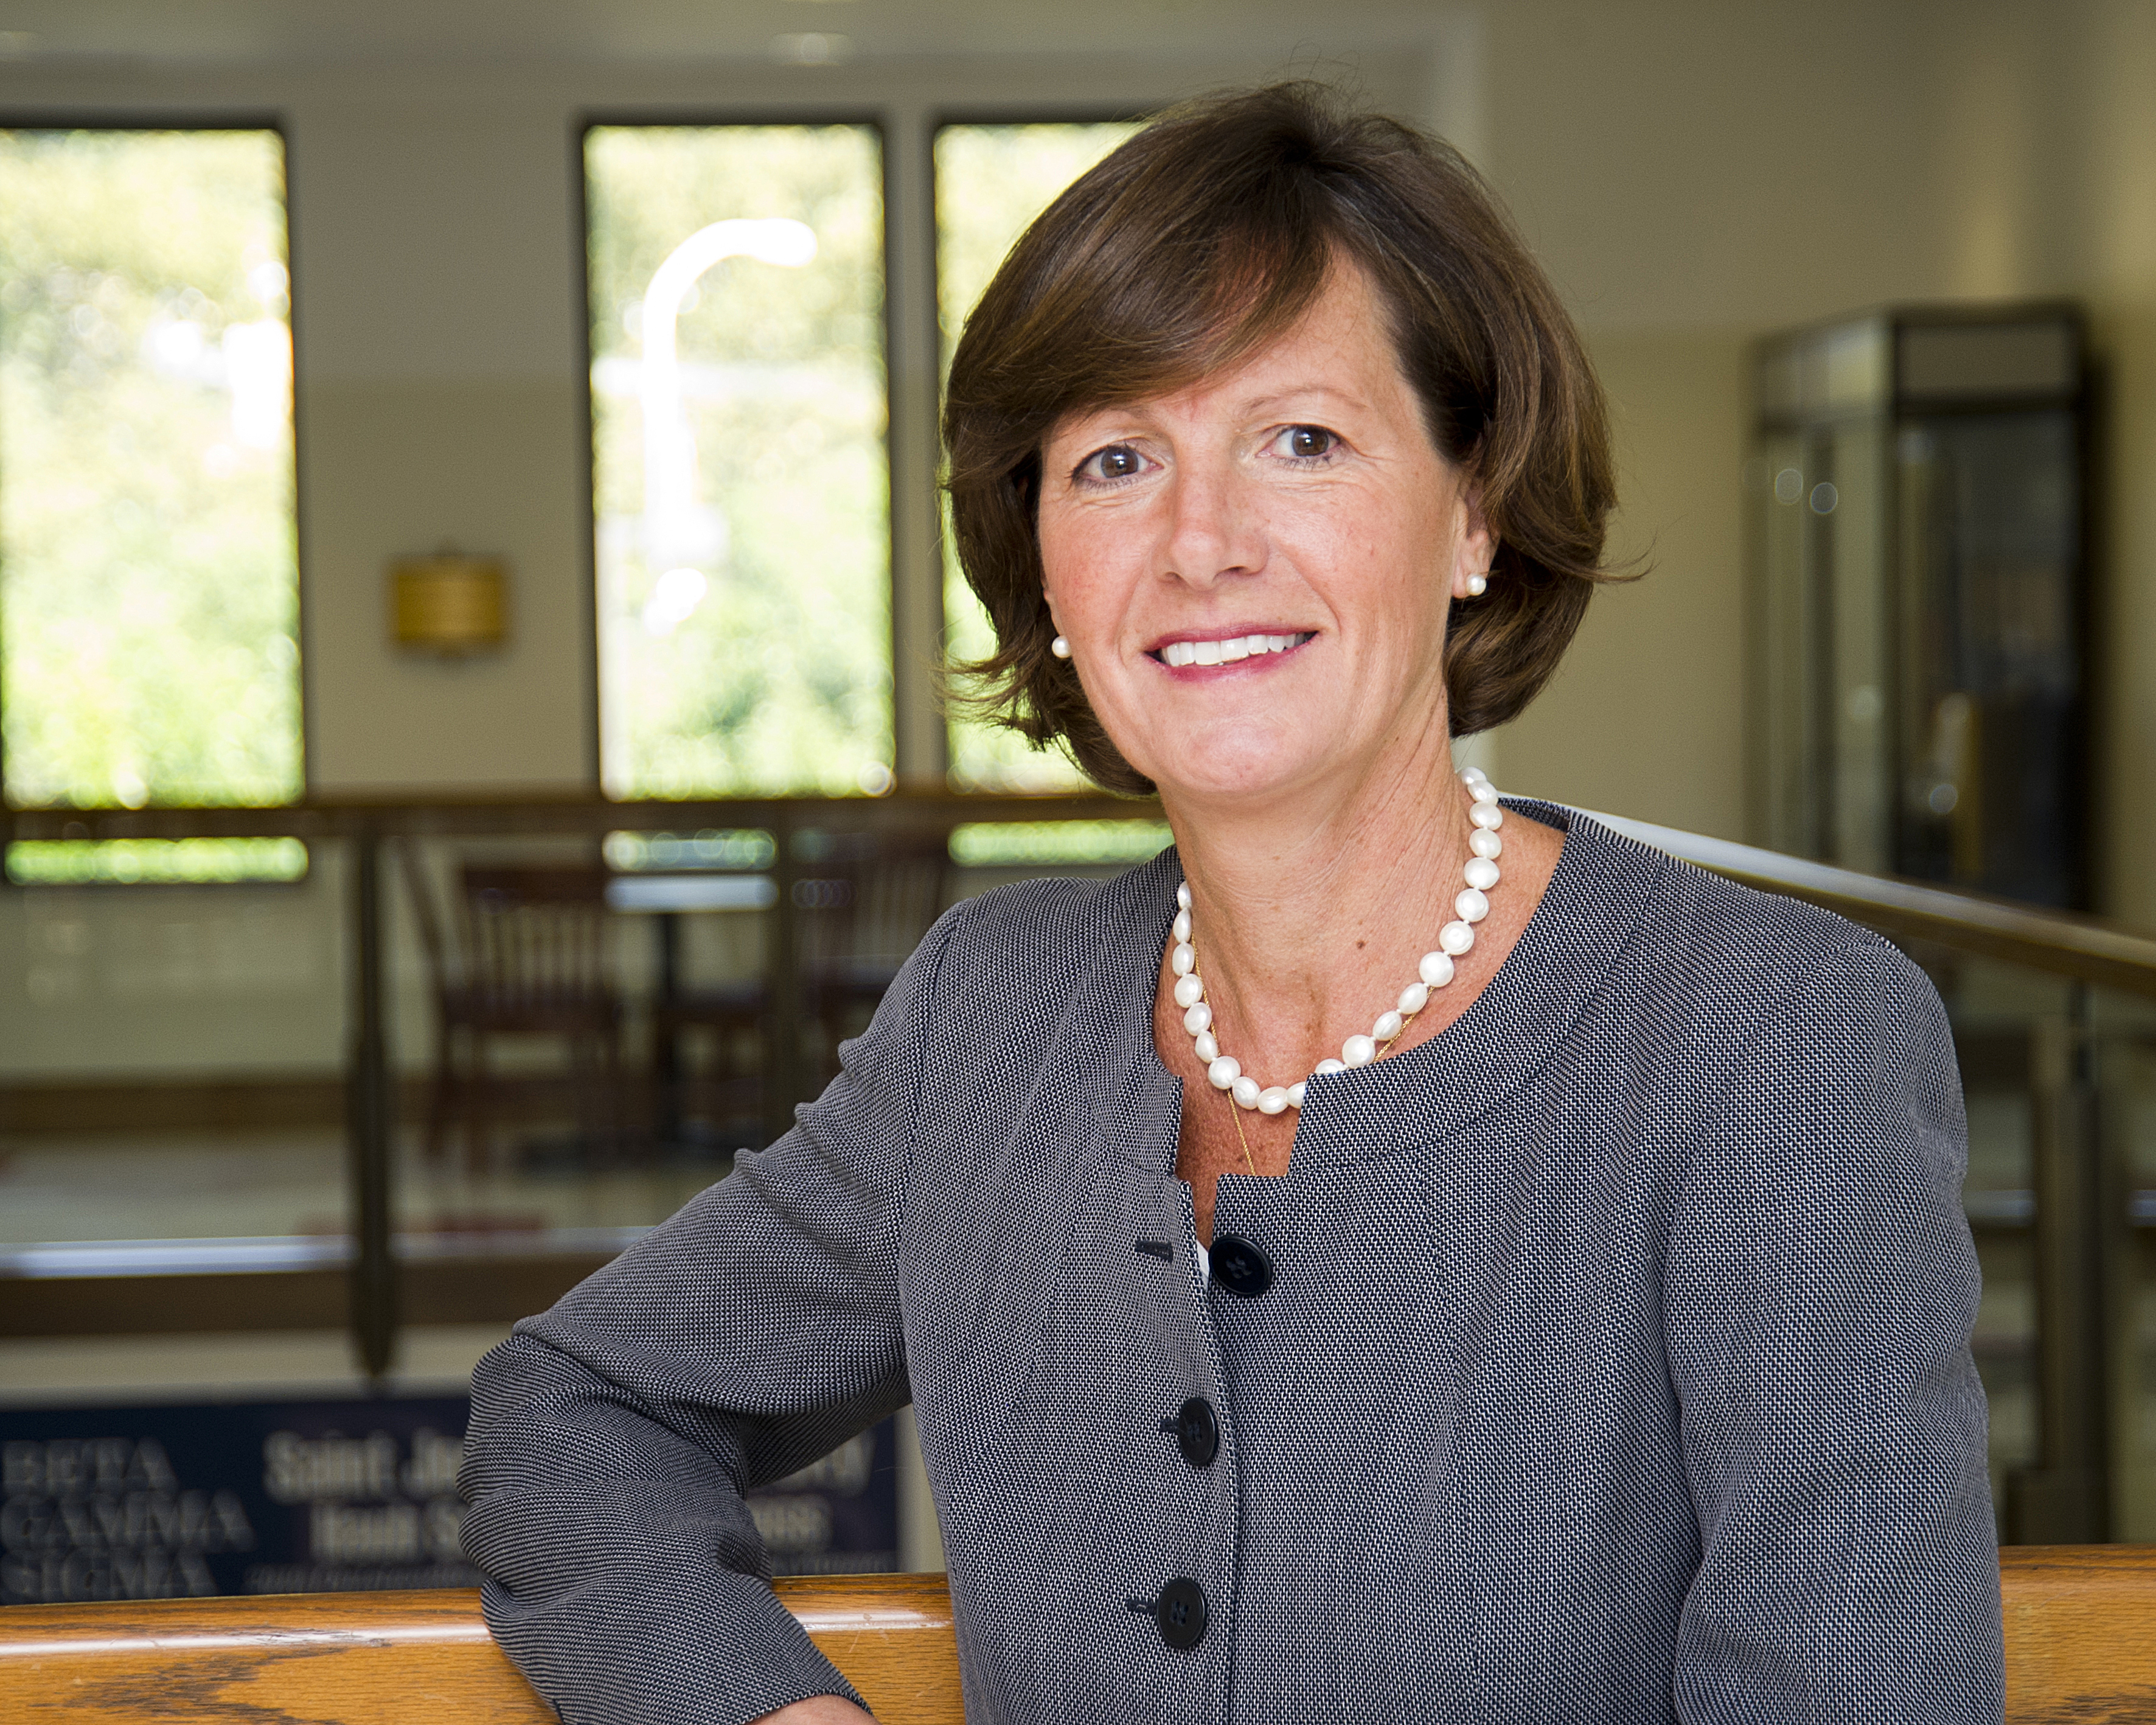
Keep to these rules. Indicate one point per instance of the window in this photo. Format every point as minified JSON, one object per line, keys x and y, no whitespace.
{"x":741,"y":489}
{"x":991,"y":180}
{"x":149,"y":585}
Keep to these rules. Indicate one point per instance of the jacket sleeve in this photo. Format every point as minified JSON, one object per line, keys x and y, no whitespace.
{"x":1819,"y":1289}
{"x":613,"y":1437}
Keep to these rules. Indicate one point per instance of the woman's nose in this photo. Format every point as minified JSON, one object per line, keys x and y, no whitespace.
{"x":1213,"y":530}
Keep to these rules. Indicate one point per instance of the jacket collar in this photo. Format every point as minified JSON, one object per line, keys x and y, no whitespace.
{"x":1590,"y":915}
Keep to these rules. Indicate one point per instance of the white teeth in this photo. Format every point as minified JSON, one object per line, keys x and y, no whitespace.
{"x":1228,"y":652}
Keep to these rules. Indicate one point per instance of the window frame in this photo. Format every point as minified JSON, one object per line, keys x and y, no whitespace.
{"x":582,"y":124}
{"x":935,"y":122}
{"x":35,"y":118}
{"x":912,"y":338}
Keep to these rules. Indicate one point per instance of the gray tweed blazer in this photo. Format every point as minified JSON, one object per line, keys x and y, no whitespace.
{"x":1603,"y":1359}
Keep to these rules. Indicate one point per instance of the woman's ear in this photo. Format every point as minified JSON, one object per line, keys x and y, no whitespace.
{"x":1475,"y":550}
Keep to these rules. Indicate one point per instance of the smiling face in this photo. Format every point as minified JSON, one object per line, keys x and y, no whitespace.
{"x":1254,"y":573}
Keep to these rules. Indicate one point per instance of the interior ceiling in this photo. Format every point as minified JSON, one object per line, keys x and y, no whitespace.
{"x":243,"y":31}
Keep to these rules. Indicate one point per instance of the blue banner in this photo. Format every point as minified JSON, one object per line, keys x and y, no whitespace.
{"x":276,"y":1497}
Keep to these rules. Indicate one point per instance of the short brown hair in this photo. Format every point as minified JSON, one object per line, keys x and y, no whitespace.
{"x":1192,"y":247}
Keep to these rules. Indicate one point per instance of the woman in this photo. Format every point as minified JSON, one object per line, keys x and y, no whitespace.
{"x":1585,"y":1330}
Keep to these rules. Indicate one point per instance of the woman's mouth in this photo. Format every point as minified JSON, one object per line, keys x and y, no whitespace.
{"x":1176,"y":655}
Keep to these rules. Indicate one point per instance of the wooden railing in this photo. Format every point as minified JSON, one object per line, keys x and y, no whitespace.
{"x":405,"y":1658}
{"x":2080,"y":1648}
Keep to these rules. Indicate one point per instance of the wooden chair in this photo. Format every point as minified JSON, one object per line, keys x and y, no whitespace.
{"x":727,"y":1087}
{"x":526,"y":952}
{"x":861,"y":904}
{"x":2080,"y":1650}
{"x":864,"y":905}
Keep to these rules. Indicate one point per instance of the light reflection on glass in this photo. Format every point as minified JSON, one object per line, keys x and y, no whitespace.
{"x":740,"y":484}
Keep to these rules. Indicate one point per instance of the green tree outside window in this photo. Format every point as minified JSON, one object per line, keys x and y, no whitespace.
{"x":149,"y":590}
{"x":741,"y":491}
{"x":991,"y":182}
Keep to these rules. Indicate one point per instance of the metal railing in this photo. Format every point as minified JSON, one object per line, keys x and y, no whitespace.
{"x":2073,"y":1212}
{"x":2082,"y":947}
{"x":363,"y":827}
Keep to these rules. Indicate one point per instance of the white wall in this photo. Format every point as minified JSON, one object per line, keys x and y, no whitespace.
{"x":1696,"y":174}
{"x":438,"y":352}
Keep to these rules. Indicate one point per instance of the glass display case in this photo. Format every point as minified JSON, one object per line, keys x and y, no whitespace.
{"x":1918,"y":501}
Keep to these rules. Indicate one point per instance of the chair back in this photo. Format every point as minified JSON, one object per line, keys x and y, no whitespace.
{"x":537,"y":935}
{"x":426,"y":914}
{"x":868,"y":900}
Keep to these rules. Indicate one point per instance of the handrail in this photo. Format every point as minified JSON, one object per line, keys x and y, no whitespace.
{"x":2083,"y":948}
{"x":2078,"y":1623}
{"x":372,"y":1659}
{"x":568,"y":812}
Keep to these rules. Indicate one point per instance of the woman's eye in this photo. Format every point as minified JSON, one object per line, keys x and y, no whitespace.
{"x":1117,"y":461}
{"x":1307,"y":443}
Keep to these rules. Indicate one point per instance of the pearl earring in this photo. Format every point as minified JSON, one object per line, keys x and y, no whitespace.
{"x":1060,"y":647}
{"x":1477,"y":585}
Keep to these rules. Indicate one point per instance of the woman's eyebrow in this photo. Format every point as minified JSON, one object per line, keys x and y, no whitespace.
{"x":1274,"y":400}
{"x":1111,"y":424}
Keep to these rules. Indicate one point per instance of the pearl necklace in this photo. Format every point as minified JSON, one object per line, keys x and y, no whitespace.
{"x":1223,"y":1071}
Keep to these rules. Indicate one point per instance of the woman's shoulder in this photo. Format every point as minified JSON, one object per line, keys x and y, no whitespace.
{"x":1715,"y":940}
{"x":1050,"y":926}
{"x":1764,"y":1007}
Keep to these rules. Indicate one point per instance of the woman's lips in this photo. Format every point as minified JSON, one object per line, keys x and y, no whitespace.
{"x":1232,"y":649}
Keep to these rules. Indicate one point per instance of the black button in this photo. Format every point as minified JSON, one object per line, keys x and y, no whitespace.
{"x":1197,"y":1432}
{"x":1240,"y":1267}
{"x":1180,"y":1612}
